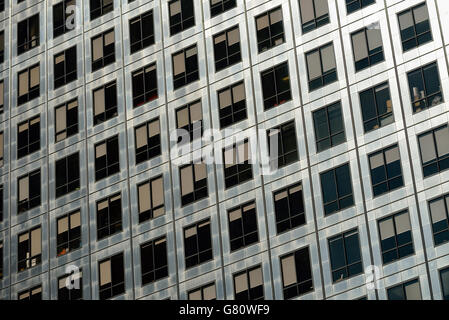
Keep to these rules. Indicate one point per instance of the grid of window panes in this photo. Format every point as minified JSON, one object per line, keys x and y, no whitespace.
{"x":354,"y":92}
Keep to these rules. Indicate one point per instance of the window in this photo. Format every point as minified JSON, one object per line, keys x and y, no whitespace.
{"x":1,"y":260}
{"x":2,"y":96}
{"x":248,"y":285}
{"x":151,"y":199}
{"x":220,"y":6}
{"x":2,"y":143}
{"x":396,"y":237}
{"x":243,"y":226}
{"x":329,"y":127}
{"x":181,"y":15}
{"x":270,"y":29}
{"x":336,"y":187}
{"x":314,"y":14}
{"x":321,"y":67}
{"x":69,"y":233}
{"x":29,"y":249}
{"x":287,"y":150}
{"x":144,"y":85}
{"x":109,"y":216}
{"x":386,"y":171}
{"x":28,"y":84}
{"x":434,"y":146}
{"x":2,"y":5}
{"x":439,"y":212}
{"x":276,"y":86}
{"x":232,"y":101}
{"x":100,"y":7}
{"x":197,"y":244}
{"x":367,"y":47}
{"x":425,"y":87}
{"x":444,"y":276}
{"x":346,"y":260}
{"x":148,"y":141}
{"x":105,"y":102}
{"x":65,"y":67}
{"x":206,"y":292}
{"x":193,"y":183}
{"x":296,"y":273}
{"x":106,"y":158}
{"x":227,"y":48}
{"x":67,"y":173}
{"x":34,"y":293}
{"x":28,"y":137}
{"x":62,"y":13}
{"x":415,"y":27}
{"x":289,"y":208}
{"x":2,"y":46}
{"x":190,"y":119}
{"x":237,"y":164}
{"x":103,"y":50}
{"x":112,"y":277}
{"x":354,"y":5}
{"x":28,"y":34}
{"x":377,"y":108}
{"x":66,"y":120}
{"x":141,"y":31}
{"x":185,"y":67}
{"x":29,"y":191}
{"x":64,"y":293}
{"x":405,"y":291}
{"x":154,"y":263}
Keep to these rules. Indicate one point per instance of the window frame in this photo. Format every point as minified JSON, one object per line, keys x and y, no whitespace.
{"x":153,"y":147}
{"x":105,"y":59}
{"x":252,"y":235}
{"x":67,"y":76}
{"x":271,"y":39}
{"x":110,"y":227}
{"x":75,"y":183}
{"x":330,"y":75}
{"x":29,"y":260}
{"x":344,"y":235}
{"x":148,"y":95}
{"x":389,"y":115}
{"x":28,"y":200}
{"x":388,"y":180}
{"x":113,"y":167}
{"x":249,"y":289}
{"x":143,"y":42}
{"x":110,"y":286}
{"x":416,"y":36}
{"x":197,"y":189}
{"x":207,"y":254}
{"x":185,"y":23}
{"x":229,"y":59}
{"x":27,"y":44}
{"x":331,"y":136}
{"x":187,"y":77}
{"x":370,"y":54}
{"x":277,"y":95}
{"x":316,"y":22}
{"x":150,"y":213}
{"x":70,"y":129}
{"x":297,"y":285}
{"x":71,"y":244}
{"x":158,"y":272}
{"x":437,"y":160}
{"x":242,"y":171}
{"x":31,"y":92}
{"x":413,"y":100}
{"x":301,"y":216}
